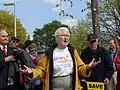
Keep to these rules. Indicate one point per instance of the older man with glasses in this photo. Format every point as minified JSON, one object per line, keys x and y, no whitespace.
{"x":103,"y":71}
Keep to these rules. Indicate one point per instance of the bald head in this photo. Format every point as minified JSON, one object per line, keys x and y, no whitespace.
{"x":3,"y":37}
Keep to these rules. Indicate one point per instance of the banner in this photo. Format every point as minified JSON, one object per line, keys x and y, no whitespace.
{"x":95,"y":85}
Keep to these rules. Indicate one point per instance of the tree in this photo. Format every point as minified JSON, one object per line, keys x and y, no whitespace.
{"x":117,"y":6}
{"x":79,"y":36}
{"x":109,"y":20}
{"x":95,"y":17}
{"x":45,"y":36}
{"x":62,"y":5}
{"x":7,"y":21}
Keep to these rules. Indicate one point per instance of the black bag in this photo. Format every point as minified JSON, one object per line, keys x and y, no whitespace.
{"x":29,"y":85}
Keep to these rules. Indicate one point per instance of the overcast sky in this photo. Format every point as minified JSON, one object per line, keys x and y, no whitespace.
{"x":35,"y":13}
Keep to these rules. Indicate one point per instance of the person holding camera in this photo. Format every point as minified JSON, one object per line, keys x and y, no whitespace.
{"x":103,"y":71}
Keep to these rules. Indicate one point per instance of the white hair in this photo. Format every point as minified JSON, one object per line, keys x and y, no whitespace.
{"x":59,"y":30}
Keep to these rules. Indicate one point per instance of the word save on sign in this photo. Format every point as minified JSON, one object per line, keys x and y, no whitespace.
{"x":95,"y":86}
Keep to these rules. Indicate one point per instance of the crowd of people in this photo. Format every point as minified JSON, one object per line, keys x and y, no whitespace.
{"x":14,"y":55}
{"x":60,"y":67}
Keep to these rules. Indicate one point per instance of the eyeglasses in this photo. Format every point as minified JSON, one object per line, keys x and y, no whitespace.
{"x":64,"y":35}
{"x":15,"y":41}
{"x":93,"y":41}
{"x":33,"y":50}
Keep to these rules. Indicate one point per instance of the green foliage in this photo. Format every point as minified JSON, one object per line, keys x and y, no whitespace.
{"x":79,"y":36}
{"x":28,"y":37}
{"x":117,"y":6}
{"x":109,"y":20}
{"x":62,"y":11}
{"x":7,"y":21}
{"x":44,"y":36}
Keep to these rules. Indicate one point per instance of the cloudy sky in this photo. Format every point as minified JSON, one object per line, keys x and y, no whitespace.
{"x":35,"y":13}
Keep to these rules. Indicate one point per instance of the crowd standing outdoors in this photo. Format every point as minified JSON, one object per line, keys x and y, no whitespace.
{"x":60,"y":67}
{"x":13,"y":55}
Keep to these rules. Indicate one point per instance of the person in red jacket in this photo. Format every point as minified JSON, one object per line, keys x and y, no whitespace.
{"x":113,"y":51}
{"x":117,"y":63}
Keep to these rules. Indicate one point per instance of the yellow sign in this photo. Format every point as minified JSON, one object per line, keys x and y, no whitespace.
{"x":95,"y":85}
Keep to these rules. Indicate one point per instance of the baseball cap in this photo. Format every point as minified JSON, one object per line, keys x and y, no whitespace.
{"x":15,"y":38}
{"x":27,"y":43}
{"x":91,"y":37}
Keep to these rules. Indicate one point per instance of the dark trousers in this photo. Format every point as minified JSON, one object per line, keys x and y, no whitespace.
{"x":12,"y":87}
{"x":38,"y":87}
{"x":21,"y":87}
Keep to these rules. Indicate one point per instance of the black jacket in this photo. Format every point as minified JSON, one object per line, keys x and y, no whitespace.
{"x":49,"y":53}
{"x":104,"y":69}
{"x":4,"y":67}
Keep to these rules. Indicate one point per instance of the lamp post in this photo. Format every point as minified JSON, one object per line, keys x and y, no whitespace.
{"x":12,"y":4}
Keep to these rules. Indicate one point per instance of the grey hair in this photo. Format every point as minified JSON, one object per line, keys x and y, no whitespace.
{"x":59,"y":31}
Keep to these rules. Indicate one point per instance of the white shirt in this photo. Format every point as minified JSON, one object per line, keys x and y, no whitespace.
{"x":1,"y":46}
{"x":62,"y":62}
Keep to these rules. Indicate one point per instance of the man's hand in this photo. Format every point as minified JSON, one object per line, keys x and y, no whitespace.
{"x":106,"y":81}
{"x":93,"y":63}
{"x":9,"y":58}
{"x":27,"y":70}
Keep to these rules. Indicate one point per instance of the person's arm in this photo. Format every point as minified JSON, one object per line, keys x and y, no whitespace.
{"x":85,"y":70}
{"x":2,"y":63}
{"x":5,"y":60}
{"x":117,"y":62}
{"x":38,"y":72}
{"x":108,"y":65}
{"x":9,"y":58}
{"x":35,"y":60}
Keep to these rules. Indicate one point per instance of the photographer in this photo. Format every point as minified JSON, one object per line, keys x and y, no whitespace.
{"x":23,"y":58}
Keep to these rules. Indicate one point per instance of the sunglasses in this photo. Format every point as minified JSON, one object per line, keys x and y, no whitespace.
{"x":93,"y":41}
{"x":15,"y":41}
{"x":33,"y":50}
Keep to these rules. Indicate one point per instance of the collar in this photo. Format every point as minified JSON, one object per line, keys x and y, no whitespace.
{"x":1,"y":46}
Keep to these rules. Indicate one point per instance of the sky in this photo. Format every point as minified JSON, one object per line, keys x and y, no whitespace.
{"x":36,"y":13}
